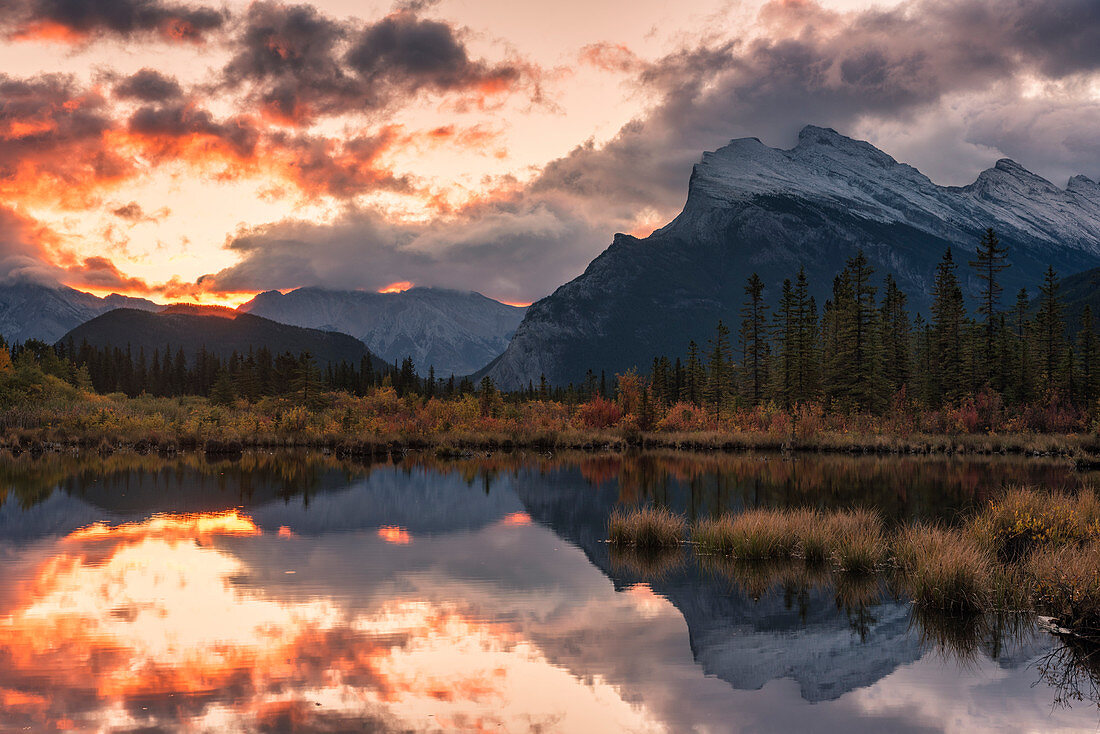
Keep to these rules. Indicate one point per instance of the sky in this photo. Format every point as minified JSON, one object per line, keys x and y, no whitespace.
{"x":205,"y":152}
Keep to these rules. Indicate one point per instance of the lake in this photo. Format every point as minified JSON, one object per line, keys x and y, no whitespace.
{"x":299,"y":592}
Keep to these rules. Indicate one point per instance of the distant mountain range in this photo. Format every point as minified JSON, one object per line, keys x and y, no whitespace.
{"x":220,"y":334}
{"x":456,"y":332}
{"x":752,"y":208}
{"x":34,"y":311}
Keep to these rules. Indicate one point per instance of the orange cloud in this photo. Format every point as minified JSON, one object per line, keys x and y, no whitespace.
{"x":398,"y":287}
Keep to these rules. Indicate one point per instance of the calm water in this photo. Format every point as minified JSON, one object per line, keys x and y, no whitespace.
{"x":302,"y":593}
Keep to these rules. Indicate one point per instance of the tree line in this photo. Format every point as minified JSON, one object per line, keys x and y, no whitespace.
{"x":862,"y":351}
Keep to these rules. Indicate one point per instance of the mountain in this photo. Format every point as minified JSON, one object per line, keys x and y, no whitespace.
{"x":457,"y":332}
{"x":1077,"y":291}
{"x":36,"y":311}
{"x":752,"y":208}
{"x":220,"y":335}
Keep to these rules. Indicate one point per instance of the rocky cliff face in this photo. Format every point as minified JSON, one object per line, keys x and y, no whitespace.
{"x":752,"y":208}
{"x":456,"y":332}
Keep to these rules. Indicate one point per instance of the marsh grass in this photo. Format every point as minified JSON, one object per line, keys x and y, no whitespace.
{"x":753,"y":535}
{"x":944,"y":569}
{"x":648,"y":527}
{"x":859,"y":543}
{"x":1065,"y":584}
{"x":1024,"y":519}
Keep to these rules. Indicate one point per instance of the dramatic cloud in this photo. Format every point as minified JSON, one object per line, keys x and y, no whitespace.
{"x":149,"y":85}
{"x":871,"y":71}
{"x":506,"y":250}
{"x":52,"y":141}
{"x":77,"y":20}
{"x":299,"y":64}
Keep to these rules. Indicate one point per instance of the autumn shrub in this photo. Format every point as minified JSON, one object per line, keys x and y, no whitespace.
{"x":598,"y":412}
{"x":648,"y":527}
{"x":1024,"y":519}
{"x":684,"y":417}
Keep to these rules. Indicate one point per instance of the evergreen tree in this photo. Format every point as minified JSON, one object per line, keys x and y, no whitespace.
{"x":949,"y":382}
{"x":719,"y":373}
{"x":1088,"y":360}
{"x":896,"y":337}
{"x":754,"y":341}
{"x":695,"y":377}
{"x":1049,"y":329}
{"x":223,"y":393}
{"x":785,"y":337}
{"x":990,"y":259}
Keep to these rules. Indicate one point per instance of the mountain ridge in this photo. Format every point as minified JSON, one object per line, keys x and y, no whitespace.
{"x":457,"y":332}
{"x":753,"y":208}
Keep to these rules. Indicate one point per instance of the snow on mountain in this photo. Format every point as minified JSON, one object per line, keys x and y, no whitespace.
{"x":753,"y":208}
{"x":456,"y":332}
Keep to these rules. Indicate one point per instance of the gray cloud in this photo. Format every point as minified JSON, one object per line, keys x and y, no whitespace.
{"x":950,"y":71}
{"x":84,"y":18}
{"x":299,"y":64}
{"x":149,"y":85}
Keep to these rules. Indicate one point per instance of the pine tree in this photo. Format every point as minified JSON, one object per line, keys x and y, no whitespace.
{"x":223,"y":393}
{"x":1049,"y":329}
{"x":719,"y":373}
{"x":785,"y":336}
{"x":990,"y":260}
{"x":695,"y":377}
{"x":948,"y":334}
{"x":1021,"y":383}
{"x":896,"y":337}
{"x":806,"y":358}
{"x":1088,"y":360}
{"x":754,"y":341}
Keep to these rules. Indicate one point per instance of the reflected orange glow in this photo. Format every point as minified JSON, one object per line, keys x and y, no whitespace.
{"x":398,"y":287}
{"x":285,"y":532}
{"x":199,"y":525}
{"x":147,"y":626}
{"x":394,"y":534}
{"x":516,"y":519}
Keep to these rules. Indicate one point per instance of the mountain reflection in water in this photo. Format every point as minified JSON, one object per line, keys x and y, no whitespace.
{"x":292,"y":592}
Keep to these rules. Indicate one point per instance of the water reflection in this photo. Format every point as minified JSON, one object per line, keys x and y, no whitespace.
{"x":305,"y":593}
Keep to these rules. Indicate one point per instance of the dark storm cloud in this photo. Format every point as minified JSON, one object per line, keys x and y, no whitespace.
{"x":77,"y":19}
{"x":299,"y":64}
{"x":949,"y":75}
{"x":149,"y":85}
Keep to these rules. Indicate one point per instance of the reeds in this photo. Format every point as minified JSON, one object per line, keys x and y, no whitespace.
{"x":944,"y":569}
{"x":648,"y":527}
{"x":1065,"y":583}
{"x":753,"y":535}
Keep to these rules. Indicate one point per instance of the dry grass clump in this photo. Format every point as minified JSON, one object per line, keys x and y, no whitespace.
{"x":944,"y":569}
{"x":1065,"y":584}
{"x":648,"y":527}
{"x":1024,"y":519}
{"x":753,"y":535}
{"x":815,"y":536}
{"x":859,"y":544}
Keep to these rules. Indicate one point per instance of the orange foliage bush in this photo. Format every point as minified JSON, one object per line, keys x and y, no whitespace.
{"x":597,"y":413}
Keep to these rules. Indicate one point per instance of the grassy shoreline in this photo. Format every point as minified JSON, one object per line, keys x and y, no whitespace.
{"x":1083,"y":449}
{"x":1027,"y":551}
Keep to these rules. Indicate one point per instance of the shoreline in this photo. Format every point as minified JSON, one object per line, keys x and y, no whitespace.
{"x":1082,"y":449}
